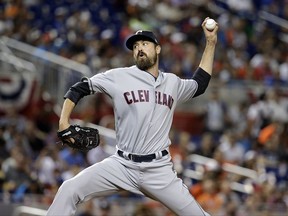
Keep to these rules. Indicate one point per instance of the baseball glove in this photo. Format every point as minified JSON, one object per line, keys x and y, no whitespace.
{"x":80,"y":138}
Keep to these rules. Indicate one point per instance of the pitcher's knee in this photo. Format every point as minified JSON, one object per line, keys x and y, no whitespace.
{"x":69,"y":190}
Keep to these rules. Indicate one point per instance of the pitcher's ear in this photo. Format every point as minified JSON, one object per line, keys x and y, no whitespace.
{"x":158,"y":49}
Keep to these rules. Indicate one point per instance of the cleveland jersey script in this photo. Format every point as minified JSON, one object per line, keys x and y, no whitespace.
{"x":152,"y":102}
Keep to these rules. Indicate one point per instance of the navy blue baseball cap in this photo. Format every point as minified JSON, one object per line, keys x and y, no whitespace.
{"x":141,"y":35}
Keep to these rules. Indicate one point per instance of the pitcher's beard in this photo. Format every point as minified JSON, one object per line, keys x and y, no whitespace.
{"x":145,"y":63}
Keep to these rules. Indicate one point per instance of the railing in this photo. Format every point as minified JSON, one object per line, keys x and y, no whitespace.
{"x":26,"y":210}
{"x":201,"y":163}
{"x":54,"y":73}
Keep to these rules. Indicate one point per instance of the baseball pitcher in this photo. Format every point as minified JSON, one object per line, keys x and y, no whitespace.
{"x":144,"y":99}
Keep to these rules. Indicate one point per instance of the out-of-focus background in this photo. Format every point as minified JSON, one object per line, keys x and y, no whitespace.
{"x":230,"y":145}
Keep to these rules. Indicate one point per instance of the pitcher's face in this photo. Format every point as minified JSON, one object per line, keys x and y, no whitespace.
{"x":145,"y":54}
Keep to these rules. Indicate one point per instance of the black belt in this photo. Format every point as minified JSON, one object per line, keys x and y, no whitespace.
{"x":141,"y":158}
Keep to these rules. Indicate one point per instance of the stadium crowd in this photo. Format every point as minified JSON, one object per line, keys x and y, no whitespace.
{"x":252,"y":134}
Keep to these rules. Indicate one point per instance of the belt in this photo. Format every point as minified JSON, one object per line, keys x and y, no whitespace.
{"x":141,"y":158}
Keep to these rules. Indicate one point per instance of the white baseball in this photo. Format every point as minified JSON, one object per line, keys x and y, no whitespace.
{"x":210,"y":24}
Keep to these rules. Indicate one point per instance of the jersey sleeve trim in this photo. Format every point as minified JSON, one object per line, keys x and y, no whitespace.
{"x":86,"y":79}
{"x":92,"y":91}
{"x":103,"y":91}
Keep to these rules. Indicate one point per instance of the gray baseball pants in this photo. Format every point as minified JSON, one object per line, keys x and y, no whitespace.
{"x":155,"y":179}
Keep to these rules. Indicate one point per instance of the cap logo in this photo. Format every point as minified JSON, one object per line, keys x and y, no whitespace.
{"x":139,"y":31}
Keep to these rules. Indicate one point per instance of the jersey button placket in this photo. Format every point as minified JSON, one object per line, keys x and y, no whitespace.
{"x":153,"y":106}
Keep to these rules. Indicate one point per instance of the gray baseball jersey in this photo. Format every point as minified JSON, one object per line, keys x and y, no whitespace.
{"x":143,"y":106}
{"x":143,"y":109}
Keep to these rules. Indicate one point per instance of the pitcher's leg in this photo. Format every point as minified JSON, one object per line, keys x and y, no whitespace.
{"x":182,"y":202}
{"x":101,"y":179}
{"x":162,"y":184}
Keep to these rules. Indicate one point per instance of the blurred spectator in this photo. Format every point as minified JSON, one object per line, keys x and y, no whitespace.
{"x":87,"y":209}
{"x":238,"y":115}
{"x":209,"y":198}
{"x":180,"y":150}
{"x":20,"y":140}
{"x":35,"y":138}
{"x":233,"y":151}
{"x":142,"y":210}
{"x":3,"y":150}
{"x":72,"y":157}
{"x":264,"y":67}
{"x":231,"y":200}
{"x":13,"y":118}
{"x":207,"y":145}
{"x":105,"y":208}
{"x":70,"y":172}
{"x":258,"y":115}
{"x":283,"y":70}
{"x":216,"y":115}
{"x":17,"y":172}
{"x":277,"y":106}
{"x":46,"y":164}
